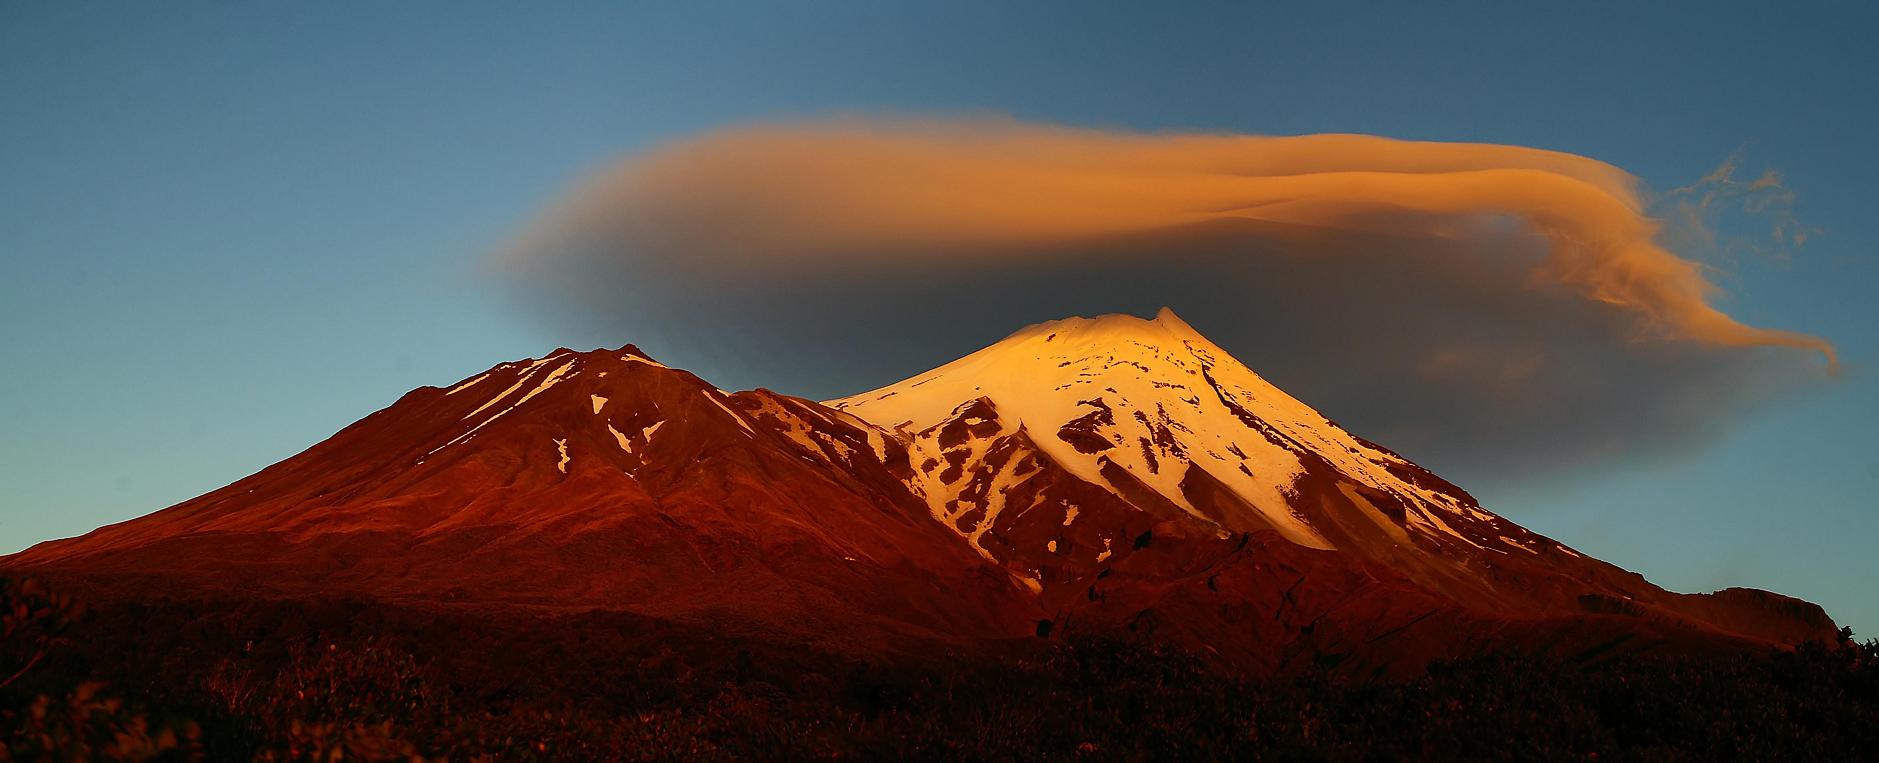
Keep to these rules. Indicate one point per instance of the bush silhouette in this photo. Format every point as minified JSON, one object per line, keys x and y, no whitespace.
{"x":352,"y":680}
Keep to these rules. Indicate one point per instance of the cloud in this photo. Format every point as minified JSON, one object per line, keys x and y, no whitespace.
{"x":1511,"y":308}
{"x":1693,"y":213}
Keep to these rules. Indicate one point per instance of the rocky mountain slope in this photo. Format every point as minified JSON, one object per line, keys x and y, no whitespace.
{"x":1085,"y":475}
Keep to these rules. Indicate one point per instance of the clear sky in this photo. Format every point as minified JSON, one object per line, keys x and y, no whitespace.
{"x":226,"y":231}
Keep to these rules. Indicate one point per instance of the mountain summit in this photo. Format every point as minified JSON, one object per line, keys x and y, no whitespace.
{"x":1165,"y":419}
{"x":1106,"y":474}
{"x":580,"y":480}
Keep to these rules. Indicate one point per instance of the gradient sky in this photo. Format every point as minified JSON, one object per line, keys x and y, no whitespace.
{"x":228,"y":231}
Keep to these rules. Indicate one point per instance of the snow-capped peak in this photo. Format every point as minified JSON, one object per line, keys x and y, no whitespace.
{"x":1157,"y":399}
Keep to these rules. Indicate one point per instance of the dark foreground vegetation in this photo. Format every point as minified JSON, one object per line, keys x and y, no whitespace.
{"x":350,"y":680}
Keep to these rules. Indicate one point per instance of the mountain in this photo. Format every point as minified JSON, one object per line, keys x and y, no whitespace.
{"x":580,"y":480}
{"x":1116,"y":459}
{"x":1109,"y":475}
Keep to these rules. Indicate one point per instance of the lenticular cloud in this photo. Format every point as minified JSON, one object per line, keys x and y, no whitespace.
{"x":1497,"y":312}
{"x":789,"y":197}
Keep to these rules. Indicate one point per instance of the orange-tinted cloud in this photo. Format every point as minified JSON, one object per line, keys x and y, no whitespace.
{"x":796,"y":197}
{"x":1500,"y":313}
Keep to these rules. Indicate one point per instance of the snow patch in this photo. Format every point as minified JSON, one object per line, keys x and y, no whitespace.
{"x":465,"y":385}
{"x":598,"y":401}
{"x":554,"y":377}
{"x":727,"y":409}
{"x":500,"y":396}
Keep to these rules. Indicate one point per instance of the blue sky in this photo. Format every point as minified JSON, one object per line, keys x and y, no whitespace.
{"x":227,"y":231}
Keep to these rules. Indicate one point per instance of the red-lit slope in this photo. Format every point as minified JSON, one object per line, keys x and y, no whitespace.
{"x":1070,"y":446}
{"x":1108,"y":475}
{"x":599,"y":479}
